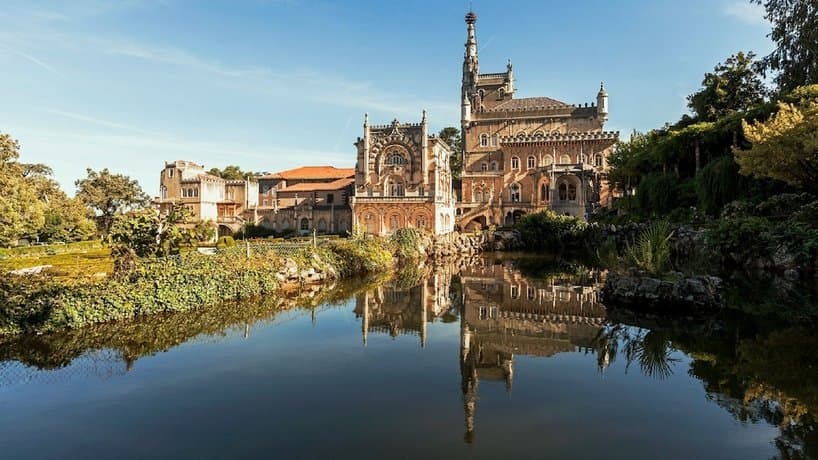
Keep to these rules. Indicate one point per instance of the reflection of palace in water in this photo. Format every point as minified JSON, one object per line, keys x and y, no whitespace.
{"x":394,"y":309}
{"x":505,"y":313}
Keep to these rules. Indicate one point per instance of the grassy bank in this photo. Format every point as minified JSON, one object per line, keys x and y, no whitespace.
{"x":42,"y":303}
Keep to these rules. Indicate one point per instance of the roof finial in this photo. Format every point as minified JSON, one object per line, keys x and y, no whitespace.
{"x":508,"y":66}
{"x":366,"y":118}
{"x":424,"y":116}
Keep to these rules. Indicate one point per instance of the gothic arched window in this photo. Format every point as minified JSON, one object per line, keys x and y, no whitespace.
{"x":515,"y":163}
{"x":484,"y":167}
{"x":484,"y":140}
{"x":548,"y":160}
{"x":493,"y":166}
{"x":544,"y":192}
{"x":565,"y":159}
{"x":305,"y":224}
{"x":598,"y":160}
{"x":532,"y":162}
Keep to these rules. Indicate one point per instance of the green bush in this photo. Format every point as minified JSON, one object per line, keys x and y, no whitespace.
{"x":650,"y":252}
{"x":717,"y":184}
{"x":225,"y":242}
{"x":362,"y":255}
{"x":406,"y":242}
{"x":178,"y":283}
{"x":552,"y":232}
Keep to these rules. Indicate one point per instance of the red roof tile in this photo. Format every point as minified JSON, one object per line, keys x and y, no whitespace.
{"x":319,"y":186}
{"x":314,"y":172}
{"x":528,"y":103}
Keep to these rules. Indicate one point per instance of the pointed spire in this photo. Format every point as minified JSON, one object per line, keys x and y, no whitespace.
{"x":423,"y":120}
{"x":366,"y":119}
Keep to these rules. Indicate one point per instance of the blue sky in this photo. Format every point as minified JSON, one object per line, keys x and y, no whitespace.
{"x":272,"y":84}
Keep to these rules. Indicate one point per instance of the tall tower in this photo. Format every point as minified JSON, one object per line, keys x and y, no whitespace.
{"x":470,"y":70}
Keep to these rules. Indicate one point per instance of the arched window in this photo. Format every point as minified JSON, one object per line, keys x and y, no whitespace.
{"x":370,"y":223}
{"x":548,"y":160}
{"x":484,"y":167}
{"x":515,"y":292}
{"x":420,"y":222}
{"x":565,"y":159}
{"x":532,"y":162}
{"x":493,"y":166}
{"x":481,"y":93}
{"x":521,"y":134}
{"x":484,"y":140}
{"x":515,"y":163}
{"x":394,"y":222}
{"x":195,"y":192}
{"x":539,"y":133}
{"x":563,"y":191}
{"x":322,"y":225}
{"x":501,"y":93}
{"x":495,"y":139}
{"x":544,"y":192}
{"x":305,"y":224}
{"x":598,"y":160}
{"x":514,"y":193}
{"x":395,"y":158}
{"x":572,"y":192}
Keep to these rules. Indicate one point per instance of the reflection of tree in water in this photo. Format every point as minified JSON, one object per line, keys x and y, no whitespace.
{"x":113,"y":348}
{"x":756,"y":371}
{"x":651,"y":350}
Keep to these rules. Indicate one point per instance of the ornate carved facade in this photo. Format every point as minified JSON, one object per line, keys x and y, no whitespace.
{"x":524,"y":155}
{"x":402,"y":179}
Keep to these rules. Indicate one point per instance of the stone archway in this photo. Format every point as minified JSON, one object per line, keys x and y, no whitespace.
{"x":224,"y":230}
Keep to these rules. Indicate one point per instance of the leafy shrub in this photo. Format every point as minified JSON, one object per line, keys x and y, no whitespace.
{"x":225,"y":242}
{"x":550,"y":231}
{"x":406,"y":242}
{"x":362,"y":255}
{"x":717,"y":184}
{"x":650,"y":252}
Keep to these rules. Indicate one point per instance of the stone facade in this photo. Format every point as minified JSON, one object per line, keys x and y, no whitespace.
{"x":524,"y":155}
{"x":227,"y":204}
{"x":307,"y":199}
{"x":402,"y":179}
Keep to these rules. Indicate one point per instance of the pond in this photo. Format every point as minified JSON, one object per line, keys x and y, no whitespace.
{"x":511,"y":357}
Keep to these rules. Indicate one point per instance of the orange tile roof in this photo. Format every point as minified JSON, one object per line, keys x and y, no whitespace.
{"x":319,"y":186}
{"x":314,"y":172}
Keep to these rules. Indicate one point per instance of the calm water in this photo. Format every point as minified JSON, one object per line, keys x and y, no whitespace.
{"x":511,"y":358}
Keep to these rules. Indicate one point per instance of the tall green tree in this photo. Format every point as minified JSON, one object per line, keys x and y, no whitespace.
{"x":452,"y":137}
{"x":733,"y":86}
{"x":795,"y":33}
{"x":110,"y":194}
{"x":231,"y":172}
{"x":21,"y":209}
{"x":785,"y":147}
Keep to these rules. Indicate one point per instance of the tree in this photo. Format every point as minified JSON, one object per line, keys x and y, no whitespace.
{"x":733,"y":86}
{"x":67,"y":219}
{"x":795,"y":33}
{"x":231,"y":172}
{"x":785,"y":147}
{"x":21,"y":210}
{"x":109,"y":195}
{"x":451,"y":136}
{"x":146,"y":233}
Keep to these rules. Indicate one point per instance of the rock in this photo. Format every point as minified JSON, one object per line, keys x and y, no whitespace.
{"x":647,"y":293}
{"x":31,"y":270}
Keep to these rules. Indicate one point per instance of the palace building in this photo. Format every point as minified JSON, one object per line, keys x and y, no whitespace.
{"x":228,"y":204}
{"x":307,"y":199}
{"x":523,"y":155}
{"x":402,"y":179}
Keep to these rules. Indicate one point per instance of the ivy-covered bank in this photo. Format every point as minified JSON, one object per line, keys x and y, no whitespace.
{"x":41,"y":303}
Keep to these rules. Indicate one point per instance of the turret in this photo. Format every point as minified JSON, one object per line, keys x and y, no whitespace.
{"x":602,"y":102}
{"x":510,"y":73}
{"x":470,"y":69}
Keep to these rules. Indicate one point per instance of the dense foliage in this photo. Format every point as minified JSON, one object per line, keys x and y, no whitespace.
{"x":552,"y":232}
{"x":794,"y":62}
{"x":454,"y":139}
{"x":32,"y":206}
{"x":232,"y":172}
{"x":109,"y":195}
{"x":784,"y":147}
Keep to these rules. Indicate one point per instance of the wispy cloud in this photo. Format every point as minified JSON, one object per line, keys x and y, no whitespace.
{"x":312,"y":86}
{"x":30,"y":58}
{"x":747,"y":12}
{"x":93,"y":121}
